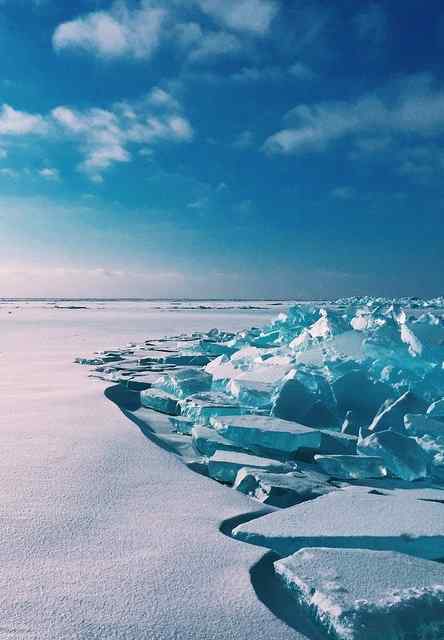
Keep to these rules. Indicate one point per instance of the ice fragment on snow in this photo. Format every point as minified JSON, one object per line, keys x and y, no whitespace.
{"x":353,"y":518}
{"x":159,"y":400}
{"x":367,"y":595}
{"x":351,"y":467}
{"x":280,"y":489}
{"x":224,"y":465}
{"x":266,"y":433}
{"x":402,"y":456}
{"x":391,"y":414}
{"x":208,"y":441}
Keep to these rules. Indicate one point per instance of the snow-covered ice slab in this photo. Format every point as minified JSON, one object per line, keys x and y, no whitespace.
{"x":368,"y":595}
{"x":160,"y":401}
{"x":353,"y":518}
{"x":402,"y":456}
{"x":208,"y":441}
{"x":391,"y":415}
{"x":224,"y":465}
{"x":201,"y":407}
{"x":336,"y":442}
{"x":265,"y":433}
{"x":346,"y":467}
{"x":185,"y":382}
{"x":280,"y":489}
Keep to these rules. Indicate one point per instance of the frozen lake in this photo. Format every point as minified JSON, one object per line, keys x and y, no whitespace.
{"x":103,"y":534}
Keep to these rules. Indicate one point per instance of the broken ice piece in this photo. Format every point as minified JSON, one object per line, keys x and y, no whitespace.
{"x":224,"y":465}
{"x":423,"y":425}
{"x":185,"y":382}
{"x":353,"y":518}
{"x":357,"y":594}
{"x":208,"y":441}
{"x":251,"y":393}
{"x":221,"y":368}
{"x":293,"y":401}
{"x":279,"y":489}
{"x":336,"y":442}
{"x":402,"y":456}
{"x":201,"y":407}
{"x":391,"y":415}
{"x":160,"y":401}
{"x":182,"y":425}
{"x":266,"y":433}
{"x":346,"y":467}
{"x":436,"y":410}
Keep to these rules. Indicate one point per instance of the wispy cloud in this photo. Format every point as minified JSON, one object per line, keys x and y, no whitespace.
{"x":18,"y":123}
{"x":119,"y":32}
{"x":49,"y":173}
{"x":411,"y":107}
{"x":254,"y":16}
{"x":105,"y":135}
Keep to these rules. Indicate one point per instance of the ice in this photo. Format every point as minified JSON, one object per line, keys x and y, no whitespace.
{"x":224,"y":465}
{"x":436,"y":410}
{"x":402,"y":456}
{"x":336,"y":442}
{"x":349,"y":425}
{"x":251,"y":393}
{"x":159,"y":400}
{"x":353,"y":519}
{"x":423,"y":425}
{"x":221,"y":368}
{"x":355,"y":391}
{"x":265,"y":433}
{"x":391,"y":415}
{"x":185,"y":382}
{"x":202,"y":406}
{"x":208,"y":441}
{"x":357,"y":594}
{"x":182,"y":425}
{"x":280,"y":489}
{"x":293,"y":401}
{"x":351,"y":467}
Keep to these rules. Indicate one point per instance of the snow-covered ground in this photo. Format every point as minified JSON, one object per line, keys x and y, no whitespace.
{"x":103,"y":534}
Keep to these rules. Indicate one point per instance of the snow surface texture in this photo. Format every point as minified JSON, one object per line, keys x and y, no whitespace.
{"x":276,"y":398}
{"x":105,"y":536}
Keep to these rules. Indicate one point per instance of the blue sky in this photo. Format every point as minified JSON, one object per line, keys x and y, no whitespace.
{"x":247,"y":148}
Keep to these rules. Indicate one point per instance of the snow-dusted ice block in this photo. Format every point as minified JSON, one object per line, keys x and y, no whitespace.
{"x":224,"y":465}
{"x":350,"y":467}
{"x":202,"y":406}
{"x":423,"y":425}
{"x":222,"y":369}
{"x":182,"y":425}
{"x":280,"y":489}
{"x":160,"y":401}
{"x":185,"y":382}
{"x":367,"y":595}
{"x":353,"y":519}
{"x":267,"y":433}
{"x":208,"y":441}
{"x":251,"y":393}
{"x":402,"y":456}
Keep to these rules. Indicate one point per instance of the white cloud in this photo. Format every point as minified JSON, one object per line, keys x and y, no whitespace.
{"x":105,"y":135}
{"x":19,"y":123}
{"x":119,"y":32}
{"x":411,"y":107}
{"x":214,"y":44}
{"x":254,"y":16}
{"x":49,"y":173}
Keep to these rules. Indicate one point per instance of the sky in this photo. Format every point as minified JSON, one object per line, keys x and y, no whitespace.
{"x":209,"y":148}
